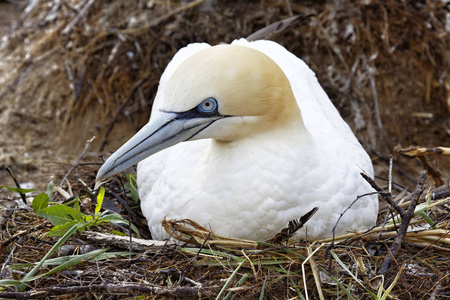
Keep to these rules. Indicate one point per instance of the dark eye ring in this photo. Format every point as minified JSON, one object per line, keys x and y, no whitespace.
{"x":208,"y":105}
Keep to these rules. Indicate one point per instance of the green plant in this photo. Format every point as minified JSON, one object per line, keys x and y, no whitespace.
{"x":131,"y":186}
{"x":66,"y":221}
{"x":64,"y":217}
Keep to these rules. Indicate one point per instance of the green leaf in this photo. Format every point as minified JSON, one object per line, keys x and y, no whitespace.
{"x":339,"y":261}
{"x":17,"y":190}
{"x":61,"y":241}
{"x":115,"y":232}
{"x":60,"y":230}
{"x":60,"y":214}
{"x":76,"y":203}
{"x":50,"y":187}
{"x":76,"y":259}
{"x":88,"y":218}
{"x":113,"y":218}
{"x":101,"y":195}
{"x":229,"y":279}
{"x":261,"y":296}
{"x":40,"y":202}
{"x":131,"y":186}
{"x":9,"y":282}
{"x":118,"y":219}
{"x":427,"y":219}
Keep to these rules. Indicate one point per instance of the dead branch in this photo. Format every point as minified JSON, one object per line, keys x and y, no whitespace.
{"x":123,"y":242}
{"x":421,"y":153}
{"x":406,"y":219}
{"x":435,"y":174}
{"x":415,"y":151}
{"x":386,"y":196}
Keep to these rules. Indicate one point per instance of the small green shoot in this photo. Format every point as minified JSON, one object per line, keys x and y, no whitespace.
{"x":131,"y":186}
{"x":239,"y":283}
{"x":341,"y":263}
{"x":261,"y":296}
{"x":62,"y":240}
{"x":420,"y":210}
{"x":229,"y":279}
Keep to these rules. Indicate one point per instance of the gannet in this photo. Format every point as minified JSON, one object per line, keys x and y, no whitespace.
{"x":243,"y":139}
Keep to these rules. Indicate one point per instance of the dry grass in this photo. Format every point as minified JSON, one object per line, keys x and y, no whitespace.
{"x":210,"y":265}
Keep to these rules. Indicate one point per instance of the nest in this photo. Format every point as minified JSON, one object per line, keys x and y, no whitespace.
{"x":204,"y":265}
{"x":74,"y":69}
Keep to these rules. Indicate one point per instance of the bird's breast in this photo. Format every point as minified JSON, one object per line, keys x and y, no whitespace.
{"x":240,"y":187}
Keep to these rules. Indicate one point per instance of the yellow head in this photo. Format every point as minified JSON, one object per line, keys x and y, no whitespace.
{"x":248,"y":86}
{"x":226,"y":93}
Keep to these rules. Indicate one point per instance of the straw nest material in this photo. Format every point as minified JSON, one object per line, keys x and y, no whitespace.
{"x":204,"y":265}
{"x":75,"y":69}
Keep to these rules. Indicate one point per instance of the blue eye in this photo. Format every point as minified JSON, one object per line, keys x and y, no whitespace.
{"x":208,"y":105}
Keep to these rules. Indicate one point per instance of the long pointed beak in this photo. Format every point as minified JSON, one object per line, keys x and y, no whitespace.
{"x":160,"y":133}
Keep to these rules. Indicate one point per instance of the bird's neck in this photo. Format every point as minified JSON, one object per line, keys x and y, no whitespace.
{"x":290,"y":131}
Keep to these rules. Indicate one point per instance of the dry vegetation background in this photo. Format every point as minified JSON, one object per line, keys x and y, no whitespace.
{"x":66,"y":76}
{"x":70,"y":70}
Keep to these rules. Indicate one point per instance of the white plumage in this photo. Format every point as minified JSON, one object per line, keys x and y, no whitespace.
{"x":266,"y":145}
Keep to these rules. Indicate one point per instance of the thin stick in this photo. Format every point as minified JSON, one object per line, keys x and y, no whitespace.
{"x":88,"y":142}
{"x":313,"y":264}
{"x":22,"y":195}
{"x":385,"y":196}
{"x":391,"y":163}
{"x":303,"y":269}
{"x":375,"y":99}
{"x":77,"y":19}
{"x":10,"y":256}
{"x":331,"y":246}
{"x":183,"y":274}
{"x":406,"y":219}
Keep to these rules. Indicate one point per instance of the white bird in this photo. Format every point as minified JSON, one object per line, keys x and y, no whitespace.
{"x":266,"y":145}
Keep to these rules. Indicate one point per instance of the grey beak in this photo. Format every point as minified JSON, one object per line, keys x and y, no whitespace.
{"x":166,"y":130}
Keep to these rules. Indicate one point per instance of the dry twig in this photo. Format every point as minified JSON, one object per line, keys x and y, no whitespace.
{"x":406,"y":219}
{"x":86,"y":146}
{"x":22,"y":195}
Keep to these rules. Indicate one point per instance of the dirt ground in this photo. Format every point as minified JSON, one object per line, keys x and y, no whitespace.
{"x":27,"y":140}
